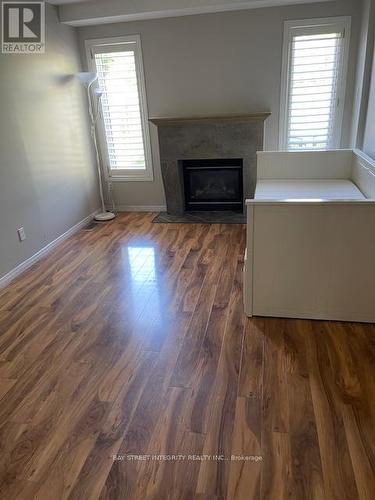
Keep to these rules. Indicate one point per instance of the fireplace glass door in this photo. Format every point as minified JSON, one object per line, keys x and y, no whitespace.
{"x":213,"y":184}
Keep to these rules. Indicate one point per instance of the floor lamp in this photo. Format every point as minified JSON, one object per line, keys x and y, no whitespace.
{"x":87,"y":79}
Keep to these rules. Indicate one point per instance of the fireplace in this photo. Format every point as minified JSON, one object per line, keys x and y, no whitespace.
{"x":182,"y":140}
{"x":213,"y":184}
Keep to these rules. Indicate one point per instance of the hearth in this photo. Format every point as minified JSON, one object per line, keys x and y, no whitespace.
{"x":214,"y":184}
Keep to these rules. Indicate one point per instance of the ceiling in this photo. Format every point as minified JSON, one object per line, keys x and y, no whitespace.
{"x":62,"y":2}
{"x":91,"y":12}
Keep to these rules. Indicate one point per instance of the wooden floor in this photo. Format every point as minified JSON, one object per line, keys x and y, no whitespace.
{"x":128,"y":345}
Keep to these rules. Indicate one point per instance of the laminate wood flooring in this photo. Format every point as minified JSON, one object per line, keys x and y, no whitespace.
{"x":129,"y":371}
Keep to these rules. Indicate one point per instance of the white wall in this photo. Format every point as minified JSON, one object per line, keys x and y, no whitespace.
{"x":47,"y":178}
{"x":216,"y":64}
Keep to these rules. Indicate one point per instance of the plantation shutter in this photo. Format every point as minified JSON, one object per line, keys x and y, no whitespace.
{"x":315,"y":70}
{"x":121,"y":110}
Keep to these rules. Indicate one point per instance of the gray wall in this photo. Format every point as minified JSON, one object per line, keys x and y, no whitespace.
{"x":363,"y":73}
{"x":47,"y":178}
{"x":216,"y":64}
{"x":369,"y":134}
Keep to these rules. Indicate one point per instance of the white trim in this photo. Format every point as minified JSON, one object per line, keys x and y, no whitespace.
{"x":363,"y":173}
{"x":124,"y":178}
{"x":344,"y":23}
{"x":344,"y":202}
{"x":124,"y":175}
{"x":189,"y":11}
{"x":14,"y":273}
{"x":370,"y":162}
{"x":141,"y":208}
{"x":307,"y":151}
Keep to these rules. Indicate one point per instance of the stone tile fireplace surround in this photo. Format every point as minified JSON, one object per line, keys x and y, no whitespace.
{"x":225,"y":137}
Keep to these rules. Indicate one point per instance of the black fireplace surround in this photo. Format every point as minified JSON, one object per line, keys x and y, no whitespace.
{"x":213,"y":184}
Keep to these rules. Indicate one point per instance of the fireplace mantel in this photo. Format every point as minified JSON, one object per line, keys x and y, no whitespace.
{"x":207,"y":137}
{"x":254,"y":117}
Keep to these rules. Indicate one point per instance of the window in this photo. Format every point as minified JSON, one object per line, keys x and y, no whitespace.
{"x":123,"y":120}
{"x":313,"y":83}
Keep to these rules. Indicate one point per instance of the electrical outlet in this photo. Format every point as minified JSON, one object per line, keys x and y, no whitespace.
{"x":21,"y":233}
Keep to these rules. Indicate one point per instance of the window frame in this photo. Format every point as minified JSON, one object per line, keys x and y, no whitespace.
{"x":98,"y":45}
{"x":314,"y":26}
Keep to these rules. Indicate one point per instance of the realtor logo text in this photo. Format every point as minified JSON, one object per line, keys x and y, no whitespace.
{"x":23,"y":28}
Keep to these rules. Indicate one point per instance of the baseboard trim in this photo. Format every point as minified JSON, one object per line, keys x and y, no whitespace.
{"x":14,"y":273}
{"x":141,"y":208}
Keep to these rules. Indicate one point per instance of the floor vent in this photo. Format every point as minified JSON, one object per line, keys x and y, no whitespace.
{"x":91,"y":226}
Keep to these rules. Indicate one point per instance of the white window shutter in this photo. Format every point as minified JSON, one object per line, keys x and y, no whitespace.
{"x":316,"y":59}
{"x":121,"y":112}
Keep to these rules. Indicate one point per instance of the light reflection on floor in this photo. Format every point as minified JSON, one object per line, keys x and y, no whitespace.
{"x":142,"y":264}
{"x":145,"y":289}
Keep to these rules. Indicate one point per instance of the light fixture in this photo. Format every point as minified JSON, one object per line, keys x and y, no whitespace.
{"x":87,"y":78}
